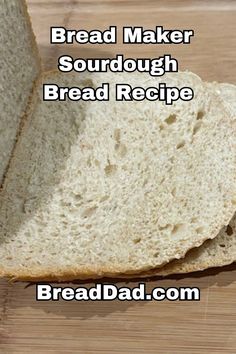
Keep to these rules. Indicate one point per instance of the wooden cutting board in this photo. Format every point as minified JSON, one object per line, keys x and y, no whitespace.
{"x":208,"y":326}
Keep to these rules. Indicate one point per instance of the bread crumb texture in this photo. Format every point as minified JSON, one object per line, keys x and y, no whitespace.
{"x":112,"y":187}
{"x":221,"y":250}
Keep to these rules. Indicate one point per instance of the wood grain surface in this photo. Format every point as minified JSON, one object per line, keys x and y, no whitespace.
{"x":207,"y":326}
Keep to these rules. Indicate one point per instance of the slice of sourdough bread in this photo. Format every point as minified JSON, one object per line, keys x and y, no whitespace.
{"x":19,"y":66}
{"x":221,"y":250}
{"x":102,"y":188}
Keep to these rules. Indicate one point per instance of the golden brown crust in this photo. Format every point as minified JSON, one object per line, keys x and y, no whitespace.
{"x":67,"y":276}
{"x":48,"y":275}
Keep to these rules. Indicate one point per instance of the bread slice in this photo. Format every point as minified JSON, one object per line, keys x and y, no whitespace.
{"x":102,"y":188}
{"x":221,"y":250}
{"x":19,"y":67}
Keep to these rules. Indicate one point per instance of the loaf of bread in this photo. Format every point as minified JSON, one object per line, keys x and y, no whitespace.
{"x":19,"y":67}
{"x":103,"y":188}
